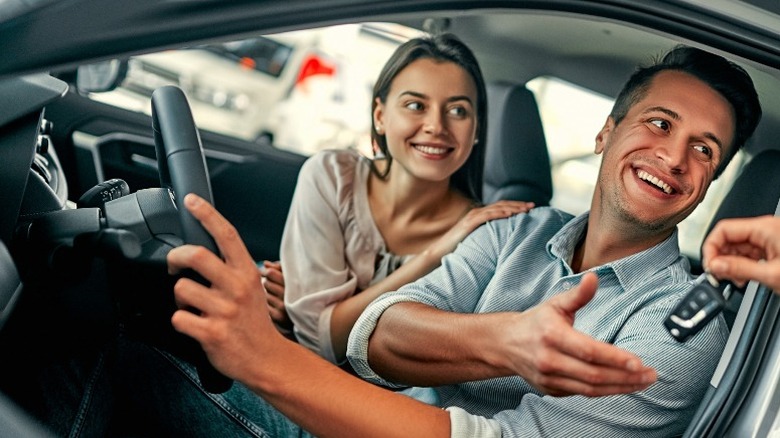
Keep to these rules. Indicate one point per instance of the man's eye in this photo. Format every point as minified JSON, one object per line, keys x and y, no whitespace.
{"x":663,"y":124}
{"x":705,"y":150}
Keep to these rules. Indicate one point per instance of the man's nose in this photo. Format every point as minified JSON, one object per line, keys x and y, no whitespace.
{"x":675,"y":155}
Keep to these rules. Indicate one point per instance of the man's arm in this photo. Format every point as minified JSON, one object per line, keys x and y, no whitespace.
{"x":419,"y":345}
{"x":237,"y":334}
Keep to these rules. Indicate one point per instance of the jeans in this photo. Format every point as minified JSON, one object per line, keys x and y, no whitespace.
{"x":132,"y":389}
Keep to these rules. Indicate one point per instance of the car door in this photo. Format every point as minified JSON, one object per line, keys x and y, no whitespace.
{"x":252,"y":183}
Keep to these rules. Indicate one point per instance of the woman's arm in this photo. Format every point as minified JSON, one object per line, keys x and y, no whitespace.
{"x":314,"y":263}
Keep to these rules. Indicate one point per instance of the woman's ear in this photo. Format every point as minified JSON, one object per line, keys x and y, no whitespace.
{"x":379,"y":116}
{"x":603,"y":136}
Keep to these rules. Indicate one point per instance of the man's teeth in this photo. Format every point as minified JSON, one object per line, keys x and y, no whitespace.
{"x":431,"y":150}
{"x":655,"y":181}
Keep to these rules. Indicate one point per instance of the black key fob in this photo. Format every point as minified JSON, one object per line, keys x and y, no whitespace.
{"x":697,"y":308}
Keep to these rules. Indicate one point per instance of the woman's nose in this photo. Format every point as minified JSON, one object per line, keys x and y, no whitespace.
{"x":433,"y":123}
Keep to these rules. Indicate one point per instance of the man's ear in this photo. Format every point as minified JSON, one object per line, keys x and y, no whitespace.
{"x":603,"y":135}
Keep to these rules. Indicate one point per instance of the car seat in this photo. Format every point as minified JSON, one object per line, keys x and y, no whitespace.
{"x":517,"y":163}
{"x":751,"y":315}
{"x":759,"y":176}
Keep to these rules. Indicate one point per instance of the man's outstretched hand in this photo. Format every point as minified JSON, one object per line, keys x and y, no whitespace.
{"x":559,"y":360}
{"x":421,"y":345}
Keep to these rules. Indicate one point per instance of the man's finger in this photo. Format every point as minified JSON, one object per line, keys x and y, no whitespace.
{"x":574,"y":299}
{"x":224,"y":233}
{"x":560,"y":386}
{"x":601,"y":364}
{"x":198,"y":258}
{"x":190,"y":294}
{"x":590,"y":351}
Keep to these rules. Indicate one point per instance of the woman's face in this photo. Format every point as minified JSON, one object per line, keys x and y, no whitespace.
{"x":429,"y":119}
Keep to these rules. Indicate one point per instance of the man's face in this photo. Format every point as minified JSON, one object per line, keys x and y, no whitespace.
{"x":661,"y":158}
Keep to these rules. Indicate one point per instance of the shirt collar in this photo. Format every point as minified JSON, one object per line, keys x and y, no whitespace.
{"x":632,"y":271}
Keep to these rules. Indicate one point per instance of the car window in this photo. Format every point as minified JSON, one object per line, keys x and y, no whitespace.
{"x":263,"y":54}
{"x":570,"y":131}
{"x":309,"y":90}
{"x":301,"y":91}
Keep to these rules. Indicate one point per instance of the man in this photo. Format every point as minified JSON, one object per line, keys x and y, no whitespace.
{"x":494,"y":329}
{"x":668,"y":136}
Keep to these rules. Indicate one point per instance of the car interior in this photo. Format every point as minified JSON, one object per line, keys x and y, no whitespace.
{"x":85,"y":184}
{"x":517,"y":163}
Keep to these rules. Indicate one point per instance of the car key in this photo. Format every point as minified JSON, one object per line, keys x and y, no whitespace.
{"x":698,"y":307}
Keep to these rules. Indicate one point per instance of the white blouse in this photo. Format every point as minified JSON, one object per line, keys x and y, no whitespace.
{"x":331,"y":247}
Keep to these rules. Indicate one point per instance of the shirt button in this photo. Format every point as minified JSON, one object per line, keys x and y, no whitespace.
{"x":567,"y":284}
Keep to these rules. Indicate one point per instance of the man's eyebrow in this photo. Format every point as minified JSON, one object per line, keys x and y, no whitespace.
{"x":714,"y":138}
{"x":664,"y":110}
{"x":424,"y":96}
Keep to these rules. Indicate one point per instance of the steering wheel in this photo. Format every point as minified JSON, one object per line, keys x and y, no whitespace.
{"x":182,"y":169}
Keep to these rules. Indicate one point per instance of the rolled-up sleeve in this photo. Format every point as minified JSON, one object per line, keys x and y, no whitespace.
{"x":468,"y":270}
{"x":465,"y":425}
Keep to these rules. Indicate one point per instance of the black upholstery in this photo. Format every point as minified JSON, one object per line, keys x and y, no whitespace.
{"x":517,"y":164}
{"x":755,"y":193}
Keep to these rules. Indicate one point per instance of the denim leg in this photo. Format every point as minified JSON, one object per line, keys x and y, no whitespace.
{"x":166,"y":394}
{"x":73,"y":398}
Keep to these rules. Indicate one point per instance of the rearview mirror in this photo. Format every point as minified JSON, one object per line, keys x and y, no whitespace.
{"x":101,"y":76}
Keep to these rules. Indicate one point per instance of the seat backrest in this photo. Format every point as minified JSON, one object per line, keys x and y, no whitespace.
{"x":517,"y":163}
{"x":755,"y":193}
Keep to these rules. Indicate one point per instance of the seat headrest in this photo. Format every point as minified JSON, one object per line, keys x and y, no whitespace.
{"x":755,"y":191}
{"x":517,"y":163}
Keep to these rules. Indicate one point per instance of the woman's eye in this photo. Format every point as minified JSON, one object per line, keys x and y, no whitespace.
{"x":458,"y":111}
{"x":414,"y":106}
{"x":663,"y":124}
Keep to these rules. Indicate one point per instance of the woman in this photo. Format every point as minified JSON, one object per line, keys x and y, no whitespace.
{"x":358,"y":227}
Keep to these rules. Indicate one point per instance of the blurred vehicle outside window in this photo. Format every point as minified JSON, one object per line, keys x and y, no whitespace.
{"x":301,"y":91}
{"x":309,"y":90}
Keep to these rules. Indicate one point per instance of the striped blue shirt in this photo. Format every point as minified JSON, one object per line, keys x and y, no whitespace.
{"x":517,"y":263}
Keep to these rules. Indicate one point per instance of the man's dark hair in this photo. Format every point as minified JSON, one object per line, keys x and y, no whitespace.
{"x":722,"y":75}
{"x":440,"y":48}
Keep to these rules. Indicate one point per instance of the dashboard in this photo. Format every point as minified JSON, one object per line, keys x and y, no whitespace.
{"x":31,"y":181}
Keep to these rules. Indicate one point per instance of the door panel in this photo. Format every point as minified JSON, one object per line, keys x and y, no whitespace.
{"x":252,"y":184}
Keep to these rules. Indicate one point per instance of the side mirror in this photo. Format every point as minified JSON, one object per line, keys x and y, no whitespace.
{"x":100,"y":76}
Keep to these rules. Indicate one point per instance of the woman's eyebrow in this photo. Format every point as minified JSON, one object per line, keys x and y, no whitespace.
{"x":424,"y":96}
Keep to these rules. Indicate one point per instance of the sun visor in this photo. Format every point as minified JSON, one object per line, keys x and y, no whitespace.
{"x":23,"y":95}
